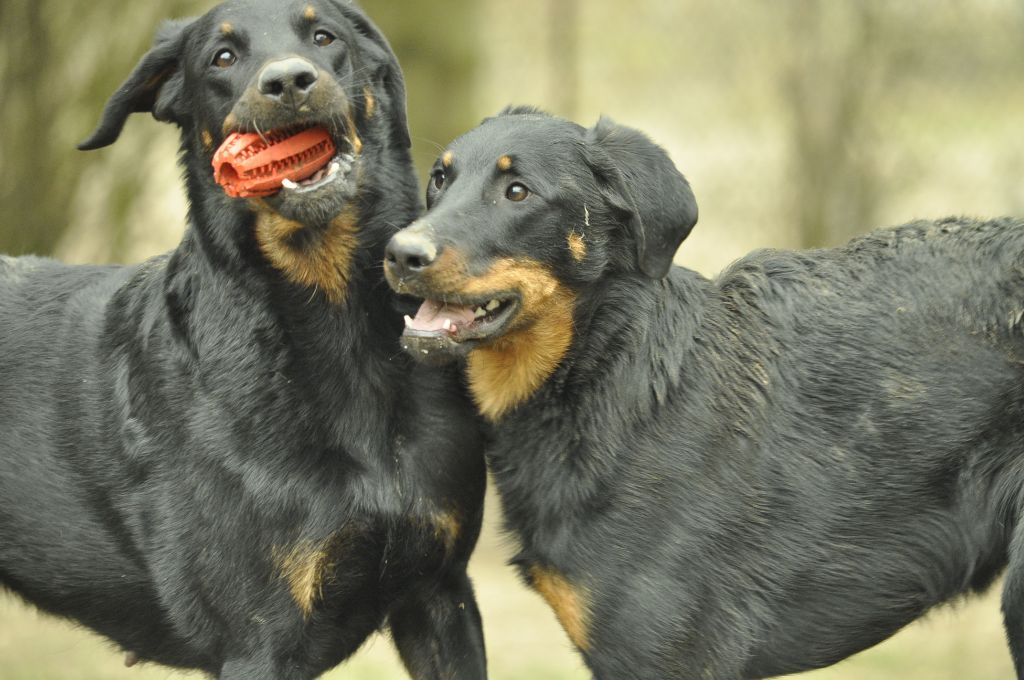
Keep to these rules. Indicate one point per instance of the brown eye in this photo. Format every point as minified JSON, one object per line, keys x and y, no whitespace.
{"x":439,"y":179}
{"x":516,"y":192}
{"x":224,"y":59}
{"x":323,"y":38}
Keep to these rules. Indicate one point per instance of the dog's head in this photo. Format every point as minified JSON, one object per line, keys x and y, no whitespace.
{"x":276,"y":68}
{"x":526,"y":213}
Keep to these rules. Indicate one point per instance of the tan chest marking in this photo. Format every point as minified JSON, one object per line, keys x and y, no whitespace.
{"x":322,"y":264}
{"x":506,"y":372}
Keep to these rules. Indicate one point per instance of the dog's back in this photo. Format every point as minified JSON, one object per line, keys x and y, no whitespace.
{"x":845,"y":426}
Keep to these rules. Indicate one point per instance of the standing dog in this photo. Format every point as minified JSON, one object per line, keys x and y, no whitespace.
{"x":220,"y":458}
{"x":732,"y":478}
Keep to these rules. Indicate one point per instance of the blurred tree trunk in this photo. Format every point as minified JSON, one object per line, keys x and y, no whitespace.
{"x":31,"y":183}
{"x":58,"y":67}
{"x":438,"y":48}
{"x":563,"y":38}
{"x":830,"y":87}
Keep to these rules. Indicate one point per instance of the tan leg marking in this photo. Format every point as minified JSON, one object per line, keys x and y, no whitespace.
{"x":568,"y":602}
{"x":305,"y":566}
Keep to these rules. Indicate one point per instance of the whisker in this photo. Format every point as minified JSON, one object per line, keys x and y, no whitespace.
{"x":437,"y":146}
{"x":259,"y":132}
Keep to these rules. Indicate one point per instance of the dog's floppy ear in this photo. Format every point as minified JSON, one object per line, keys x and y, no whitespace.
{"x":156,"y":85}
{"x":384,"y":65}
{"x":639,"y":179}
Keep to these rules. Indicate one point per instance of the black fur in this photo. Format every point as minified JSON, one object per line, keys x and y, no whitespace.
{"x":762,"y":473}
{"x":180,"y":435}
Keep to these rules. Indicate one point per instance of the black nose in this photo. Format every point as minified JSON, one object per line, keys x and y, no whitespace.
{"x":408,"y":253}
{"x":289,"y":80}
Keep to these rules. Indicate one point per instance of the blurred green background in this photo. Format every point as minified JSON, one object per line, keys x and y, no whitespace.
{"x":798,"y":122}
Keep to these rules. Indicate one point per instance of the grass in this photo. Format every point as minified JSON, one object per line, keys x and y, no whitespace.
{"x":523,"y":641}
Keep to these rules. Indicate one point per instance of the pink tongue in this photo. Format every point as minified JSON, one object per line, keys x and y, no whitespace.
{"x":433,"y":314}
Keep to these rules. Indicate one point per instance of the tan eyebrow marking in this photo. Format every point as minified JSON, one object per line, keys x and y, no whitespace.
{"x":371,"y":103}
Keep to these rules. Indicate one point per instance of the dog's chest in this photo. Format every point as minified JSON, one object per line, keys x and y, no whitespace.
{"x":370,"y":559}
{"x":398,"y":529}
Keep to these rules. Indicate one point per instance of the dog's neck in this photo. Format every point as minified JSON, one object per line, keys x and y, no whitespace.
{"x":556,"y":455}
{"x":344,"y":308}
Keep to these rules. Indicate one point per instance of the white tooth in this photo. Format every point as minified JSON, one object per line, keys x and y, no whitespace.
{"x":348,"y":158}
{"x":479,"y":312}
{"x":408,"y":321}
{"x":288,"y":184}
{"x":335,"y":167}
{"x":492,"y":305}
{"x":447,"y":324}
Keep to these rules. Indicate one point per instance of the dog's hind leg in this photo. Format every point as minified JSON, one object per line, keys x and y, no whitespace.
{"x":439,"y":634}
{"x":1013,"y":601}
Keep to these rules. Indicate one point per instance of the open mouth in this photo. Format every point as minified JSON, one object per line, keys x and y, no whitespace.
{"x":293,"y":160}
{"x":445,"y":328}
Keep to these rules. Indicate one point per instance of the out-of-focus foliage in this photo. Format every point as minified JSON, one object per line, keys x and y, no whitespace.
{"x":437,"y":45}
{"x":58,"y":63}
{"x":60,"y":60}
{"x":799,"y":122}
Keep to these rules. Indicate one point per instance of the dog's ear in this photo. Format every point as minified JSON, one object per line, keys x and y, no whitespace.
{"x":639,"y":180}
{"x":384,"y":65}
{"x":156,"y":85}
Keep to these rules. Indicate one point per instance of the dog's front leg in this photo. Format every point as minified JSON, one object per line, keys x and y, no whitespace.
{"x":1013,"y":601}
{"x":438,"y":633}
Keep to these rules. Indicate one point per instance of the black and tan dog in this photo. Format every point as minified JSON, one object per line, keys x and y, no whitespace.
{"x":732,"y":478}
{"x":221,"y":458}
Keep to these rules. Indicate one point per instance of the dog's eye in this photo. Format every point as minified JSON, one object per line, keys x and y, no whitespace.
{"x":516,"y":192}
{"x":224,"y":58}
{"x":439,"y":179}
{"x":323,"y":38}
